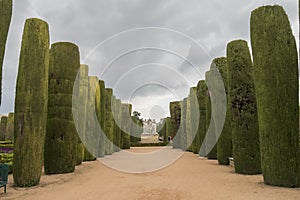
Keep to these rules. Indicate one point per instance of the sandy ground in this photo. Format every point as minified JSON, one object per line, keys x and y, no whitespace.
{"x":190,"y":177}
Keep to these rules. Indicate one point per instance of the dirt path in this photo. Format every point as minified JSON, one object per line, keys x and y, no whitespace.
{"x":190,"y":177}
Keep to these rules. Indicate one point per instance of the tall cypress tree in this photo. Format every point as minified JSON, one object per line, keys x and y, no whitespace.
{"x":276,"y":85}
{"x":90,"y":135}
{"x":201,"y":94}
{"x":175,"y":112}
{"x":101,"y":119}
{"x":61,"y":138}
{"x":242,"y":100}
{"x":224,"y":144}
{"x":109,"y":122}
{"x":5,"y":18}
{"x":183,"y":136}
{"x":194,"y":121}
{"x":125,"y":125}
{"x":210,"y":139}
{"x":31,"y":104}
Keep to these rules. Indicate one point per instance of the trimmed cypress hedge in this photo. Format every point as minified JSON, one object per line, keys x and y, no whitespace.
{"x":125,"y":125}
{"x":183,"y":136}
{"x":162,"y":130}
{"x":189,"y":137}
{"x":31,"y":104}
{"x":210,"y":138}
{"x":5,"y":19}
{"x":224,"y":144}
{"x":61,"y":137}
{"x":109,"y":122}
{"x":201,"y":94}
{"x":90,"y":135}
{"x":169,"y":128}
{"x":194,"y":122}
{"x":82,"y":110}
{"x":175,"y":112}
{"x":10,"y":127}
{"x":3,"y":124}
{"x":116,"y":128}
{"x":118,"y":125}
{"x":242,"y":100}
{"x":101,"y":120}
{"x":277,"y":84}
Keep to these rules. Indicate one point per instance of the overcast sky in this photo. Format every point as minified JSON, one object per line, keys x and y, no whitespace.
{"x":149,"y":52}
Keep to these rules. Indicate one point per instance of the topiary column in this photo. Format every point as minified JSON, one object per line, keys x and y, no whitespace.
{"x":242,"y":101}
{"x":101,"y":119}
{"x":109,"y":122}
{"x":169,"y":128}
{"x":276,"y":83}
{"x":194,"y":120}
{"x":183,"y":136}
{"x":188,"y":126}
{"x":3,"y":124}
{"x":210,"y":139}
{"x":125,"y":125}
{"x":10,"y":127}
{"x":31,"y":104}
{"x":224,"y":144}
{"x":118,"y":124}
{"x":175,"y":112}
{"x":90,"y":134}
{"x":61,"y":138}
{"x":201,"y":94}
{"x":5,"y":18}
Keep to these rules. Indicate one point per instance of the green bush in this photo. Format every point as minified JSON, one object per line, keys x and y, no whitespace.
{"x":175,"y":113}
{"x":183,"y":136}
{"x":201,"y":94}
{"x":194,"y":120}
{"x":224,"y":144}
{"x":125,"y":125}
{"x":31,"y":104}
{"x":5,"y":19}
{"x":109,"y":128}
{"x":210,"y":138}
{"x":276,"y":83}
{"x":61,"y":138}
{"x":242,"y":100}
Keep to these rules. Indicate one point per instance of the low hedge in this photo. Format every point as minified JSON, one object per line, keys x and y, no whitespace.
{"x":149,"y":144}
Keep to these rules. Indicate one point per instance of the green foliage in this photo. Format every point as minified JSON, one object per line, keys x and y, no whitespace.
{"x":210,"y":138}
{"x":159,"y":144}
{"x":201,"y":94}
{"x":31,"y":104}
{"x":276,"y":83}
{"x":183,"y":132}
{"x":136,"y":127}
{"x":109,"y":127}
{"x":125,"y":125}
{"x":101,"y":119}
{"x":82,"y":91}
{"x":194,"y":120}
{"x":10,"y":127}
{"x":91,"y":139}
{"x":224,"y":145}
{"x":3,"y":124}
{"x":5,"y":19}
{"x":61,"y":137}
{"x":175,"y":112}
{"x":169,"y":127}
{"x":242,"y":100}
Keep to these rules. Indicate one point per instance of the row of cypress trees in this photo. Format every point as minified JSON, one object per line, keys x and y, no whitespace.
{"x":261,"y":127}
{"x":50,"y":127}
